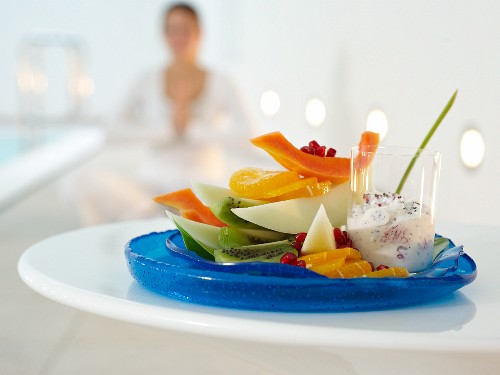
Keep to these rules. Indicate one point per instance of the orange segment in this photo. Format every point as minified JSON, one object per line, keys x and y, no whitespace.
{"x":313,"y":190}
{"x":277,"y":193}
{"x":328,"y":269}
{"x":255,"y":183}
{"x":354,"y":269}
{"x":327,"y":256}
{"x":389,"y":272}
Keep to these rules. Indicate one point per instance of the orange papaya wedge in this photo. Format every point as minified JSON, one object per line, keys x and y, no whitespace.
{"x":368,"y":144}
{"x":336,"y":169}
{"x":191,"y":214}
{"x":189,"y":206}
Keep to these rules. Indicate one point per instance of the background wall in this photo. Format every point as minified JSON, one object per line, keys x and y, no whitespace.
{"x":405,"y":58}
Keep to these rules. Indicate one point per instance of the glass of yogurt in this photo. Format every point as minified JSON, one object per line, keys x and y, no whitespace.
{"x":390,"y":225}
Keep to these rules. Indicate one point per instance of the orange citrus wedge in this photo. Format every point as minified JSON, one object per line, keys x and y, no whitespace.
{"x":255,"y":183}
{"x":347,"y":253}
{"x":389,"y":272}
{"x":352,"y":269}
{"x":329,"y":269}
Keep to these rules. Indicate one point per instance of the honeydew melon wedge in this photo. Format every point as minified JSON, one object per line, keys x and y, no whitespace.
{"x":320,"y":235}
{"x":296,"y":215}
{"x":206,"y":235}
{"x":211,"y":194}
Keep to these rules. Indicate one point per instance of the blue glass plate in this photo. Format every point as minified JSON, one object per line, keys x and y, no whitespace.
{"x":160,"y":262}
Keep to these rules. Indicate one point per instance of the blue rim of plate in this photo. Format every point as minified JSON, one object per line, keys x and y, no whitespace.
{"x":266,"y":287}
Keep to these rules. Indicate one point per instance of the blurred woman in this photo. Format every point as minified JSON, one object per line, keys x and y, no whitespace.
{"x":193,"y":125}
{"x":182,"y":99}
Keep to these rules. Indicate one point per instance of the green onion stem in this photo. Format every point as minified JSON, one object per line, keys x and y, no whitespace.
{"x":425,"y":141}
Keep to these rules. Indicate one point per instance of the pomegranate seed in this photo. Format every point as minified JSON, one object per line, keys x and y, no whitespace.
{"x":381,"y":267}
{"x":314,"y":145}
{"x":331,"y":153}
{"x":301,"y":237}
{"x":339,"y":237}
{"x":289,"y":258}
{"x":320,"y":151}
{"x":297,"y":245}
{"x":372,"y":265}
{"x":301,"y":263}
{"x":307,"y":150}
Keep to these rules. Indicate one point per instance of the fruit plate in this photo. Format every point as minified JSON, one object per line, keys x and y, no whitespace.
{"x":175,"y":272}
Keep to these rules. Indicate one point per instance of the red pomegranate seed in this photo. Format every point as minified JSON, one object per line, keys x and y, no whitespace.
{"x":307,"y":150}
{"x":339,"y":237}
{"x":289,"y":258}
{"x":314,"y":145}
{"x":297,"y":245}
{"x":320,"y":151}
{"x":381,"y":267}
{"x":331,"y":153}
{"x":301,"y":237}
{"x":301,"y":263}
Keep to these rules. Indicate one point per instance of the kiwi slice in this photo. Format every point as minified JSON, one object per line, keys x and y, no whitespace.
{"x":232,"y":237}
{"x":267,"y":252}
{"x":222,"y":210}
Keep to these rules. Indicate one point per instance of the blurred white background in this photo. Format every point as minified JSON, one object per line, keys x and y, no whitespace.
{"x":405,"y":58}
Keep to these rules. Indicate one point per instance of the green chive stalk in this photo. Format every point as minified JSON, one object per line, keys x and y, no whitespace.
{"x":425,"y":141}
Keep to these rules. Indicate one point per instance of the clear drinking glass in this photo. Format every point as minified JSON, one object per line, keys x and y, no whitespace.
{"x":390,"y":225}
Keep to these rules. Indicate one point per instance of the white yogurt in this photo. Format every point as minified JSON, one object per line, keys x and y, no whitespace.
{"x":391,"y":231}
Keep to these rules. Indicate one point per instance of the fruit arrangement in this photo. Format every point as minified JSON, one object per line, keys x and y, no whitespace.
{"x":292,"y":216}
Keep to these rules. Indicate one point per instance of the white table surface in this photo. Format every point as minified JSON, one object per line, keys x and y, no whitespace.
{"x":86,"y":269}
{"x":47,"y":157}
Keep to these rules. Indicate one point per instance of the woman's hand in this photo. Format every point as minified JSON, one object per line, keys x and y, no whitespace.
{"x":181,"y":95}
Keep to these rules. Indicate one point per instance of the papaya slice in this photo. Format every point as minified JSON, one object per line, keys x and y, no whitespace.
{"x":191,"y":214}
{"x":367,"y":146}
{"x":189,"y":206}
{"x":336,"y":169}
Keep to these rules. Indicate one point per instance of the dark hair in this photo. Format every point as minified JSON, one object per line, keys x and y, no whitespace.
{"x":184,"y":7}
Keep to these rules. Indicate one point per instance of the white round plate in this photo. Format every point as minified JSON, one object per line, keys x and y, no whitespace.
{"x":86,"y":269}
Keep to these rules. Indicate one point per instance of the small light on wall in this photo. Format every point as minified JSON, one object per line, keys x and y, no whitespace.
{"x":315,"y":112}
{"x":472,"y":148}
{"x":270,"y":102}
{"x":377,"y":122}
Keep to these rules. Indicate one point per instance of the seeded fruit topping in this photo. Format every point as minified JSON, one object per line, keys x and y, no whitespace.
{"x":314,"y":148}
{"x":331,"y":152}
{"x":289,"y":258}
{"x":314,"y":145}
{"x":301,"y":263}
{"x":301,"y":237}
{"x":297,"y":246}
{"x":341,"y":238}
{"x":381,"y":267}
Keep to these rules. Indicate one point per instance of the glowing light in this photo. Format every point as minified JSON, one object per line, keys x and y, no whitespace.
{"x":270,"y":102}
{"x":85,"y":86}
{"x":472,"y":148}
{"x":315,"y":112}
{"x":377,"y":122}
